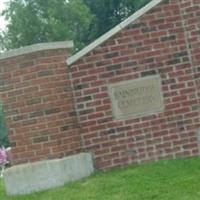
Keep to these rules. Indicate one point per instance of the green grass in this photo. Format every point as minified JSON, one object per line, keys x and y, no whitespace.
{"x":167,"y":180}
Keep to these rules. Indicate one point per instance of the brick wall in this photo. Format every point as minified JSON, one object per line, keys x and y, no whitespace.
{"x":38,"y":101}
{"x":191,"y":15}
{"x":164,"y":42}
{"x":53,"y":111}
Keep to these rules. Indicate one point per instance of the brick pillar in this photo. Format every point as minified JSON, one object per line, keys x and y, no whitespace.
{"x":36,"y":91}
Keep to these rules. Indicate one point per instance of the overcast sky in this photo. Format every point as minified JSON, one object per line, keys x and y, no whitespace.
{"x":2,"y":21}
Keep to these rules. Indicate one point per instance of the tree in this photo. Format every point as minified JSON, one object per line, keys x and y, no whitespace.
{"x":35,"y":21}
{"x":108,"y":13}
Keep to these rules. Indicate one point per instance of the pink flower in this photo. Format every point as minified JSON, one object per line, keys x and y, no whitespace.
{"x":3,"y":156}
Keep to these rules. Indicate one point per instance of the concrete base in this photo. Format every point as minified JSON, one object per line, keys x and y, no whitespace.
{"x":33,"y":177}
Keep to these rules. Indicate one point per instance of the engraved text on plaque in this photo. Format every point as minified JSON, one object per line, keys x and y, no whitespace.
{"x":136,"y":98}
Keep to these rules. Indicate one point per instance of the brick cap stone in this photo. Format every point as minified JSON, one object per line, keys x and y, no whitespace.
{"x":37,"y":47}
{"x":112,"y":32}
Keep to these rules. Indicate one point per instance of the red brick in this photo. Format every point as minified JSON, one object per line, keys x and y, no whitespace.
{"x":155,"y":44}
{"x":33,"y":95}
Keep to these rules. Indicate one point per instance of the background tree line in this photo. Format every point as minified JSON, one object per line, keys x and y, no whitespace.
{"x":35,"y":21}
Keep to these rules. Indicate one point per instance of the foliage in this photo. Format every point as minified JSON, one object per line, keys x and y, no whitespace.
{"x":36,"y":21}
{"x":108,"y":13}
{"x":174,"y":180}
{"x":3,"y":130}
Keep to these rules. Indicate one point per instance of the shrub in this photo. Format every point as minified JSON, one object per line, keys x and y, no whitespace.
{"x":3,"y":130}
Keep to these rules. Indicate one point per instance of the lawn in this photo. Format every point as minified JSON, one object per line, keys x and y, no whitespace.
{"x":174,"y":180}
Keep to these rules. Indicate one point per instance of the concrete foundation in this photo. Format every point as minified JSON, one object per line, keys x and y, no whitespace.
{"x":33,"y":177}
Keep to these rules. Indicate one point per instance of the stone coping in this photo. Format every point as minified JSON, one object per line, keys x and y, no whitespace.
{"x":113,"y":31}
{"x":37,"y":47}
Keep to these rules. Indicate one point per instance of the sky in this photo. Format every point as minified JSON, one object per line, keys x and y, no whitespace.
{"x":2,"y":21}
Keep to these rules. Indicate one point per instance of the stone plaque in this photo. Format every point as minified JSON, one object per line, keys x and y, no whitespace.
{"x":136,"y":98}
